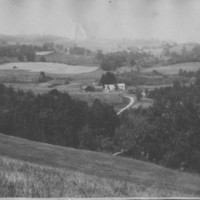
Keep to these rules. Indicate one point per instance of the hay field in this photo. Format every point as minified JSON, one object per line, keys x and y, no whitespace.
{"x":55,"y":68}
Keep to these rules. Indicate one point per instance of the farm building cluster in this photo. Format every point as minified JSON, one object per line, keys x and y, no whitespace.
{"x":105,"y":88}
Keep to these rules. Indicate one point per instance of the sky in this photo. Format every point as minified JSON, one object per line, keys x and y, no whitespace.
{"x":177,"y":20}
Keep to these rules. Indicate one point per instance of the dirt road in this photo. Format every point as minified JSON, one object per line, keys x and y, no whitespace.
{"x":132,"y":101}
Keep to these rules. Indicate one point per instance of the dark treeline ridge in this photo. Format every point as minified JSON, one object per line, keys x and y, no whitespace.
{"x":56,"y":118}
{"x":168,"y":133}
{"x":115,"y":60}
{"x":22,"y":52}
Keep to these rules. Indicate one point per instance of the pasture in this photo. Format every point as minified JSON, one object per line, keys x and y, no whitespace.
{"x":54,"y":68}
{"x":32,"y":169}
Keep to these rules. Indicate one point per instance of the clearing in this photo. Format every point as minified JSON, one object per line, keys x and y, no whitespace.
{"x":54,"y":171}
{"x":55,"y":68}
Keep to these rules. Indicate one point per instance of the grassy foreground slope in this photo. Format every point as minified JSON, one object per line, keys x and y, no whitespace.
{"x":32,"y":169}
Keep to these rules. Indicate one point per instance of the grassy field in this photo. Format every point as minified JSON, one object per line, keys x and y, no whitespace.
{"x":27,"y":80}
{"x":47,"y":67}
{"x":174,"y":69}
{"x":71,"y":59}
{"x":31,"y":169}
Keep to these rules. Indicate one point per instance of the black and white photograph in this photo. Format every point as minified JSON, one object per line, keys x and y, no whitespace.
{"x":100,"y":99}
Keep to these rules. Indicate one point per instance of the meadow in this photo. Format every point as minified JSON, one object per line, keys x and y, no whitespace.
{"x":32,"y":169}
{"x":47,"y":67}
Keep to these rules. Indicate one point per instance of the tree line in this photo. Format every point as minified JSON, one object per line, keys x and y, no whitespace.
{"x":115,"y":60}
{"x":22,"y":52}
{"x":56,"y":118}
{"x":28,"y":52}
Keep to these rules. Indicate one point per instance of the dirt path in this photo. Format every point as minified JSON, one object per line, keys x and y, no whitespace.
{"x":132,"y":101}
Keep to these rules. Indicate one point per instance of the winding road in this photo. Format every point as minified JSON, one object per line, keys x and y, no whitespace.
{"x":132,"y":101}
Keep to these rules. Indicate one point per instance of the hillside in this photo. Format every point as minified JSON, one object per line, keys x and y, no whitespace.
{"x":92,"y":174}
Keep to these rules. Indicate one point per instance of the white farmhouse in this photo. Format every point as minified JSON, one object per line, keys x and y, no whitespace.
{"x":121,"y":86}
{"x":113,"y":87}
{"x":109,"y":88}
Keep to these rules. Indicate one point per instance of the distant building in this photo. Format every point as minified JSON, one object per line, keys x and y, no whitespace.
{"x":109,"y":87}
{"x":113,"y":87}
{"x":121,"y":86}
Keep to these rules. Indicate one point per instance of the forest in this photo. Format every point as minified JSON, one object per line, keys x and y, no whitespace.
{"x":56,"y":118}
{"x":168,"y":133}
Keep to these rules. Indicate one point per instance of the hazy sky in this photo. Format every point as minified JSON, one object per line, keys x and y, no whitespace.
{"x":163,"y":19}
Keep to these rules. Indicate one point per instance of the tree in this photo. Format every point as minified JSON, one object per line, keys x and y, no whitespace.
{"x":30,"y":56}
{"x":89,"y":89}
{"x":20,"y":58}
{"x":113,"y":61}
{"x":108,"y":78}
{"x":166,"y":49}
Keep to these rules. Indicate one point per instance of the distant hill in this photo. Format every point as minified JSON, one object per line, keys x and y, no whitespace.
{"x":51,"y":168}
